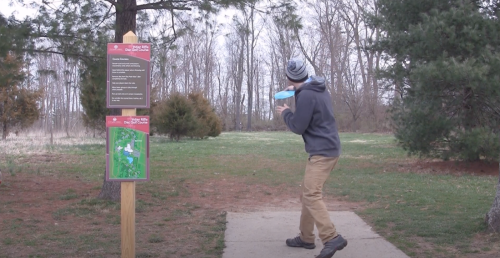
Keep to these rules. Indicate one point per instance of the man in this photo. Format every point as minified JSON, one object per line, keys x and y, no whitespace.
{"x":313,"y":119}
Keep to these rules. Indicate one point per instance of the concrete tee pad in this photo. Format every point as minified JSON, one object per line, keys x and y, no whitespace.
{"x":263,"y":235}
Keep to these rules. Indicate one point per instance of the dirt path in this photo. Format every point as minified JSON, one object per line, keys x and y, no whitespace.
{"x":43,"y":214}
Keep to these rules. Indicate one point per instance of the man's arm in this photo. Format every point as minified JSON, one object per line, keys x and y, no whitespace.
{"x":299,"y":121}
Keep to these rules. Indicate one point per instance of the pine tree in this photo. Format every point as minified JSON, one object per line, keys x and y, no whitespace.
{"x":93,"y":91}
{"x":18,"y":104}
{"x":174,"y":117}
{"x":445,"y":71}
{"x":445,"y":66}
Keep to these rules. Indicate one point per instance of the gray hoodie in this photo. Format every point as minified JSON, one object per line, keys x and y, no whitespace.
{"x":313,"y":119}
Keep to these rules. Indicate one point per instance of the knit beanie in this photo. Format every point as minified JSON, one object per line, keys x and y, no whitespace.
{"x":296,"y":70}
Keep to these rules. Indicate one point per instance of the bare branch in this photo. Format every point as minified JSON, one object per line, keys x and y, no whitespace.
{"x":104,"y":17}
{"x":317,"y":70}
{"x":173,"y":22}
{"x":112,"y":2}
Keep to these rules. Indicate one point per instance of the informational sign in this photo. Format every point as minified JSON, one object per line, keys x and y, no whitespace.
{"x":128,"y":74}
{"x":127,"y":148}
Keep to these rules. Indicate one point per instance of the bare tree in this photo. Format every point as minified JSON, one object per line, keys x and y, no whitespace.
{"x":247,"y":27}
{"x":282,"y":46}
{"x":342,"y":55}
{"x":249,"y":17}
{"x":353,"y":13}
{"x":236,"y":45}
{"x":70,"y":85}
{"x":336,"y":44}
{"x":352,"y":95}
{"x":223,"y":86}
{"x":209,"y":33}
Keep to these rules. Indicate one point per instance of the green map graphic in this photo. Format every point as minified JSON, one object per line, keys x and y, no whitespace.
{"x":127,"y":153}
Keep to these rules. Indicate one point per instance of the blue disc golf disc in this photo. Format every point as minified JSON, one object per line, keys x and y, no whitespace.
{"x":284,"y":94}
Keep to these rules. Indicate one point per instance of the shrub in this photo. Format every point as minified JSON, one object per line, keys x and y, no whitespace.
{"x":180,"y":116}
{"x":174,"y":117}
{"x":208,"y":123}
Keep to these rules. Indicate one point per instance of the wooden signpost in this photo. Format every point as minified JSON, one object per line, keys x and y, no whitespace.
{"x":128,"y":88}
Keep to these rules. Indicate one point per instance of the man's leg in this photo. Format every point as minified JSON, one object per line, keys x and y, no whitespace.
{"x":318,"y":169}
{"x":306,"y":237}
{"x":306,"y":222}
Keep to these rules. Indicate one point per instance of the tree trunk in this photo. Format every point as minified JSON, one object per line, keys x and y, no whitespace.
{"x":52,"y":131}
{"x":111,"y":190}
{"x":125,"y":18}
{"x":69,"y":81}
{"x":125,"y":21}
{"x":493,"y":216}
{"x":5,"y":131}
{"x":250,"y":65}
{"x":239,"y":82}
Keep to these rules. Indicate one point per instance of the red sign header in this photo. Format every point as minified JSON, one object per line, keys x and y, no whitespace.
{"x":140,"y":123}
{"x":142,"y":51}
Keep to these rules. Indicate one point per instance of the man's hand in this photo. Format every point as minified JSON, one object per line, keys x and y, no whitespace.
{"x":291,"y":87}
{"x":281,"y":108}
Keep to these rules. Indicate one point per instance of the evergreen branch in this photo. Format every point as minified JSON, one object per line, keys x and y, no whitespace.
{"x":163,"y":5}
{"x":492,"y":106}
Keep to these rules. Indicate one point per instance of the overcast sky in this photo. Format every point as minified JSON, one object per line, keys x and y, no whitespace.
{"x":19,"y":11}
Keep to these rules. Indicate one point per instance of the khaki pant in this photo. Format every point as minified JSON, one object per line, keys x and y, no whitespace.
{"x":314,"y":211}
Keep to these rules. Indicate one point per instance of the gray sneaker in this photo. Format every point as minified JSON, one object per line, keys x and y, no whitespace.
{"x":332,"y":246}
{"x":297,"y":242}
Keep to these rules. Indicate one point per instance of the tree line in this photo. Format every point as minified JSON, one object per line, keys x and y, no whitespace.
{"x":236,"y":61}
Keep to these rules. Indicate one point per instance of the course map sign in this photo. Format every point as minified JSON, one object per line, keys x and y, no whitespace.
{"x":127,"y":148}
{"x":128,"y":72}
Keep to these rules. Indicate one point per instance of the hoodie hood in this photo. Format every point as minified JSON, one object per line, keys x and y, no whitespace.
{"x":314,"y":83}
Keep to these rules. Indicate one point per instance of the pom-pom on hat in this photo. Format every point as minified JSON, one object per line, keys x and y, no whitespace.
{"x":296,"y":70}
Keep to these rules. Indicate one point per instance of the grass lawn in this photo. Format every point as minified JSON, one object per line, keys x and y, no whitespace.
{"x":48,"y":206}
